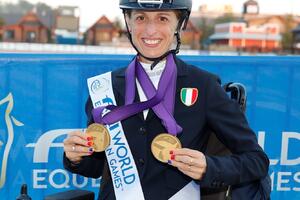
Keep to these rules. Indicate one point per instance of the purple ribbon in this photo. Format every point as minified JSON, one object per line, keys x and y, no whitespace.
{"x":160,"y":100}
{"x":165,"y":109}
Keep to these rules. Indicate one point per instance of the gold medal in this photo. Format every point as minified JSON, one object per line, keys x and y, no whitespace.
{"x":162,"y":144}
{"x":100,"y":135}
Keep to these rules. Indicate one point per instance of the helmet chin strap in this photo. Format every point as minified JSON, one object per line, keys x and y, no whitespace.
{"x":159,"y":58}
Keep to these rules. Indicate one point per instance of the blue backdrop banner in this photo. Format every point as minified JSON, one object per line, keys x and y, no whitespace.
{"x":42,"y":98}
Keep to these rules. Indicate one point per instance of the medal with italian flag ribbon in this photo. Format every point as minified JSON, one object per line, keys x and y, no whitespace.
{"x":189,"y":96}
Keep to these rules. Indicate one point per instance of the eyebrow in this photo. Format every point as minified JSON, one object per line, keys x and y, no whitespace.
{"x":159,"y":13}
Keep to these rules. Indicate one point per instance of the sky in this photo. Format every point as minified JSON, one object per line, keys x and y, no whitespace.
{"x":92,"y":10}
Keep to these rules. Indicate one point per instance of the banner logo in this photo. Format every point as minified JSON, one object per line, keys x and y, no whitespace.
{"x":9,"y":121}
{"x":98,"y":85}
{"x":45,"y":142}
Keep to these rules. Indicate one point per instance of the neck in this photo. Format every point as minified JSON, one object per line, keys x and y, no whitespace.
{"x":154,"y":61}
{"x":144,"y":60}
{"x":159,"y":67}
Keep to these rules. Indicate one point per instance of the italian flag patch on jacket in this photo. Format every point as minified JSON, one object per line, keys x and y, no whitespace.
{"x":189,"y":96}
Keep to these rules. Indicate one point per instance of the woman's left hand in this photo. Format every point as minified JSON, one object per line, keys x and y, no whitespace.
{"x":190,"y":162}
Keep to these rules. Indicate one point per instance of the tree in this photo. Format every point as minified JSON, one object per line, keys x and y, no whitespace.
{"x":21,"y":7}
{"x":1,"y":24}
{"x":207,"y":29}
{"x":25,"y":6}
{"x":287,"y":35}
{"x":118,"y":23}
{"x":229,"y":17}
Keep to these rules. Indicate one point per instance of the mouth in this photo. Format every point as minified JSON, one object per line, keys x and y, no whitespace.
{"x":151,"y":42}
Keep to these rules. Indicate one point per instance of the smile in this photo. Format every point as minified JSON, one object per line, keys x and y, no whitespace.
{"x":151,"y":42}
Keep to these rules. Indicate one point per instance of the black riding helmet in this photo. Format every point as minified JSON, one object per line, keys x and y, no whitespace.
{"x":156,"y":4}
{"x":184,"y":6}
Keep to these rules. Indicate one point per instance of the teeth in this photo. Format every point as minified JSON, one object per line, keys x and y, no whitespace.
{"x":151,"y":41}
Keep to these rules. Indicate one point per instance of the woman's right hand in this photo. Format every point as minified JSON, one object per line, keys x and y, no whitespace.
{"x":77,"y":145}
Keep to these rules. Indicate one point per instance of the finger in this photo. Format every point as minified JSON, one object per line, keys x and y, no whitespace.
{"x":192,"y":174}
{"x":182,"y":158}
{"x":178,"y":164}
{"x":191,"y":157}
{"x":76,"y":160}
{"x":78,"y":149}
{"x":77,"y":134}
{"x":192,"y":171}
{"x":181,"y":162}
{"x":76,"y":157}
{"x":187,"y":152}
{"x":188,"y":160}
{"x":76,"y":140}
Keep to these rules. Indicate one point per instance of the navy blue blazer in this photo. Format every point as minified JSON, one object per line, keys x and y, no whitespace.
{"x":213,"y":109}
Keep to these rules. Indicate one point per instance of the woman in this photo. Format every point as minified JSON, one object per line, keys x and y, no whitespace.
{"x":177,"y":99}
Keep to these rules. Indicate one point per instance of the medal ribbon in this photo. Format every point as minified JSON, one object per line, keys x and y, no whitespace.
{"x":157,"y":100}
{"x":164,"y":110}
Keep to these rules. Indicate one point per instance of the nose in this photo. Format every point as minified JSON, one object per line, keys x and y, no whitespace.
{"x":151,"y":28}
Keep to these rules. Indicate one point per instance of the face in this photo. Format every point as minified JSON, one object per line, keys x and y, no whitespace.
{"x":152,"y":32}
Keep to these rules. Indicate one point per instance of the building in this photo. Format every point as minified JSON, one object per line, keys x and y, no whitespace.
{"x":190,"y":37}
{"x":296,"y":39}
{"x":252,"y":16}
{"x":66,"y":26}
{"x":102,"y":32}
{"x":238,"y":36}
{"x":28,"y":29}
{"x":1,"y":29}
{"x":11,"y":15}
{"x":283,"y":22}
{"x":205,"y":18}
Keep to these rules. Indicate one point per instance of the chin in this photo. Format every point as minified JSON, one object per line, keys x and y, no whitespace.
{"x":153,"y":53}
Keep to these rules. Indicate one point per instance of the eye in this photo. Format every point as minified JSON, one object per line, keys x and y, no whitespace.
{"x":140,"y":18}
{"x":163,"y":19}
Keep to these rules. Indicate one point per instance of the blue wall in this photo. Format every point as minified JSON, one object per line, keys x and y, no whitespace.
{"x":49,"y":92}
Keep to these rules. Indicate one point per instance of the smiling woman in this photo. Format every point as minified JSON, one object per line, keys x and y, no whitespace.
{"x":158,"y":124}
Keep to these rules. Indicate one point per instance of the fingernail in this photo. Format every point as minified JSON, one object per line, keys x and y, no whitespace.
{"x":91,"y":150}
{"x":169,"y":162}
{"x":90,"y":143}
{"x":172,"y":157}
{"x":89,"y":138}
{"x":171,"y":152}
